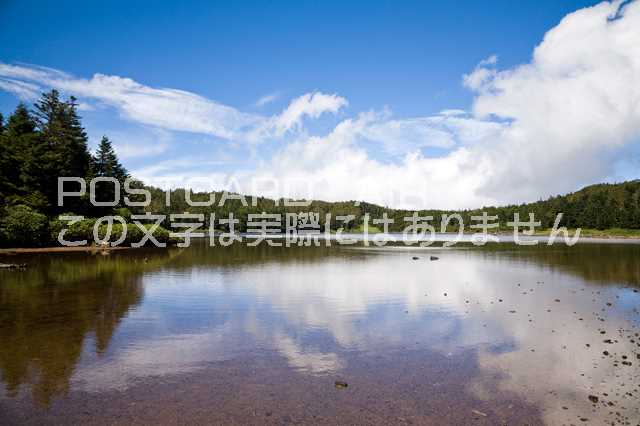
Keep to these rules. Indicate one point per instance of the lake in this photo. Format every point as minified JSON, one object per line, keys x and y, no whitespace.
{"x":481,"y":335}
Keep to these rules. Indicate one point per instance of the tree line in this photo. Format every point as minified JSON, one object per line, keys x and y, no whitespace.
{"x":36,"y":146}
{"x":48,"y":141}
{"x":601,"y":207}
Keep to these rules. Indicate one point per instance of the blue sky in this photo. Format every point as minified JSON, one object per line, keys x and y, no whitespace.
{"x":400,"y":63}
{"x":409,"y":56}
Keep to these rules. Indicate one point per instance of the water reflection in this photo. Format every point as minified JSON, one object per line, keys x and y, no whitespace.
{"x":500,"y":315}
{"x":48,"y":311}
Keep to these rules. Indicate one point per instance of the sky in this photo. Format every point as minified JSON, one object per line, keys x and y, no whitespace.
{"x":405,"y":104}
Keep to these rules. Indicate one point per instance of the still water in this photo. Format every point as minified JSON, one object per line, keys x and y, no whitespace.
{"x":493,"y":335}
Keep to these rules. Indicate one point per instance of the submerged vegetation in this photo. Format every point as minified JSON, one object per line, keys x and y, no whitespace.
{"x":37,"y":146}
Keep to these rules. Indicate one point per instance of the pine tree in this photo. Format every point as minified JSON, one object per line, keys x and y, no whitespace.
{"x":7,"y":165}
{"x":106,"y":164}
{"x":63,"y":145}
{"x":20,"y":122}
{"x":16,"y":141}
{"x":62,"y":131}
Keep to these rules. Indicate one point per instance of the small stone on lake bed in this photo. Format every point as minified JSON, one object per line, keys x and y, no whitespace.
{"x":593,"y":399}
{"x":341,"y":385}
{"x":415,"y":258}
{"x":479,"y":413}
{"x":13,"y":265}
{"x":433,"y":258}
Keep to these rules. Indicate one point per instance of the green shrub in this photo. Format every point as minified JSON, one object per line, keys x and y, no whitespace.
{"x":134,"y":234}
{"x":124,"y":213}
{"x":82,"y":230}
{"x":21,"y":226}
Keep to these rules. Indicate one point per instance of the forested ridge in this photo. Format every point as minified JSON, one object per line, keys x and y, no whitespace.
{"x":47,"y":140}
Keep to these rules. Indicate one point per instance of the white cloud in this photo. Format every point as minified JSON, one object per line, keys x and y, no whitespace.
{"x":439,"y":131}
{"x":337,"y":167}
{"x":165,"y":108}
{"x":398,"y":136}
{"x":168,"y":109}
{"x":127,"y":150}
{"x":22,"y":90}
{"x":452,"y":112}
{"x":542,"y":128}
{"x":483,"y":72}
{"x":571,"y":109}
{"x":267,"y":99}
{"x":309,"y":105}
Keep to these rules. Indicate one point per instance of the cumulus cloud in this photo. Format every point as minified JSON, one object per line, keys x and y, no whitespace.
{"x":337,"y":167}
{"x":538,"y":129}
{"x":483,"y":72}
{"x":572,"y":108}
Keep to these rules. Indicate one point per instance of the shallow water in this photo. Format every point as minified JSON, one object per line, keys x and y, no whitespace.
{"x":493,"y":335}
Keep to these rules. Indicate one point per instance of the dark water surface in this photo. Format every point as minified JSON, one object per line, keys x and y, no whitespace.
{"x":494,"y":335}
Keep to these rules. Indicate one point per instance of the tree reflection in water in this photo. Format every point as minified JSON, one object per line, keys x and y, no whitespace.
{"x":48,"y":312}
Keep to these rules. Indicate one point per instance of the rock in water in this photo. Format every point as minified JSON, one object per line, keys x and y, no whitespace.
{"x":341,"y":385}
{"x":415,"y":258}
{"x":433,"y":258}
{"x":593,"y":399}
{"x":479,"y":413}
{"x":12,"y":265}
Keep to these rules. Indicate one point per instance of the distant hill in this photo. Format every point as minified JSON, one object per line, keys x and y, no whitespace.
{"x":601,"y":206}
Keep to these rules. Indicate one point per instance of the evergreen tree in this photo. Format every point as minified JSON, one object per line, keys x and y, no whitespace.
{"x":7,"y":163}
{"x":20,"y":122}
{"x":106,"y":164}
{"x":62,"y":131}
{"x":64,"y":145}
{"x":16,"y":141}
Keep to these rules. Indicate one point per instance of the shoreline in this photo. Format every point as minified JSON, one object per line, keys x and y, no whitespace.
{"x":604,"y":238}
{"x":24,"y":250}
